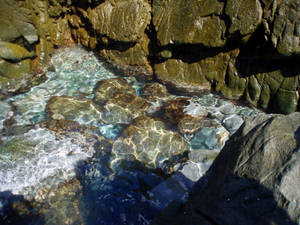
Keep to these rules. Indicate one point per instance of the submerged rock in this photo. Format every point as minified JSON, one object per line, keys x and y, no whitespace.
{"x":70,"y":108}
{"x":186,"y":113}
{"x":107,"y":89}
{"x":150,"y":142}
{"x":176,"y":109}
{"x":155,"y":91}
{"x":232,"y":123}
{"x":60,"y":205}
{"x":255,"y":178}
{"x":124,"y":107}
{"x":211,"y":136}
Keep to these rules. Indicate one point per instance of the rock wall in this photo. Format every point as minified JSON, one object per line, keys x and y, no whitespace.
{"x":242,"y":49}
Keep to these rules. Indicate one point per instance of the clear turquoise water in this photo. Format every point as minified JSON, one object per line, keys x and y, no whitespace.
{"x":114,"y":191}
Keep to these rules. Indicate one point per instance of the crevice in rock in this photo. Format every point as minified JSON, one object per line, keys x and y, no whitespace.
{"x":87,"y":3}
{"x":191,"y":53}
{"x":259,"y":56}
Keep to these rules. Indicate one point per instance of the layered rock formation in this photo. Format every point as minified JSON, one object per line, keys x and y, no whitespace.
{"x":244,"y":50}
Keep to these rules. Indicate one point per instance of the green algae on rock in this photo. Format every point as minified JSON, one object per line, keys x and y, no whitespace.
{"x":120,"y":20}
{"x":14,"y":52}
{"x":238,"y":21}
{"x":189,"y":22}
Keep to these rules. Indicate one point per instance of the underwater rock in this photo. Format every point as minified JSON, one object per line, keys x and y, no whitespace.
{"x":61,"y":205}
{"x":150,"y":142}
{"x":211,"y":135}
{"x":189,"y":124}
{"x":176,"y":109}
{"x":69,"y":128}
{"x":123,"y":108}
{"x":155,"y":91}
{"x":232,"y":123}
{"x":84,"y":111}
{"x":6,"y":114}
{"x":107,"y":89}
{"x":58,"y":204}
{"x":186,"y":113}
{"x":178,"y":186}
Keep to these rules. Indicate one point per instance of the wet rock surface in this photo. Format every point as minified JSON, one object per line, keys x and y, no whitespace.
{"x":121,"y":20}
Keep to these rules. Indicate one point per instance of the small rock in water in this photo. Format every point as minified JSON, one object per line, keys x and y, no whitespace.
{"x":190,"y":124}
{"x":211,"y":136}
{"x":124,"y":107}
{"x":155,"y":91}
{"x":107,"y":89}
{"x":84,"y":111}
{"x":186,"y":113}
{"x":227,"y":109}
{"x":174,"y":109}
{"x":150,"y":142}
{"x":233,"y":123}
{"x":178,"y":186}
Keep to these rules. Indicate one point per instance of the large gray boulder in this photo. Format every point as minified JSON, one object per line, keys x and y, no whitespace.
{"x":254,"y":180}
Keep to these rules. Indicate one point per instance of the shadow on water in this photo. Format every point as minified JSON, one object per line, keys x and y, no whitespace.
{"x":116,"y":195}
{"x":239,"y":201}
{"x":114,"y":192}
{"x":119,"y":195}
{"x":15,"y":210}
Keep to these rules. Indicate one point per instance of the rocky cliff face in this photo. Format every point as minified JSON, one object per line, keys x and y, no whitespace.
{"x":242,"y":49}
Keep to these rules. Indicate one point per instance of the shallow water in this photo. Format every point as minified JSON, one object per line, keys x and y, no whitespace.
{"x":34,"y":161}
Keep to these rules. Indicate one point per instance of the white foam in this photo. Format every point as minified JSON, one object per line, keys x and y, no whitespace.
{"x":43,"y":157}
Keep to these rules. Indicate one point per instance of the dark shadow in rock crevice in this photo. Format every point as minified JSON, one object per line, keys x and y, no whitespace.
{"x":259,"y":56}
